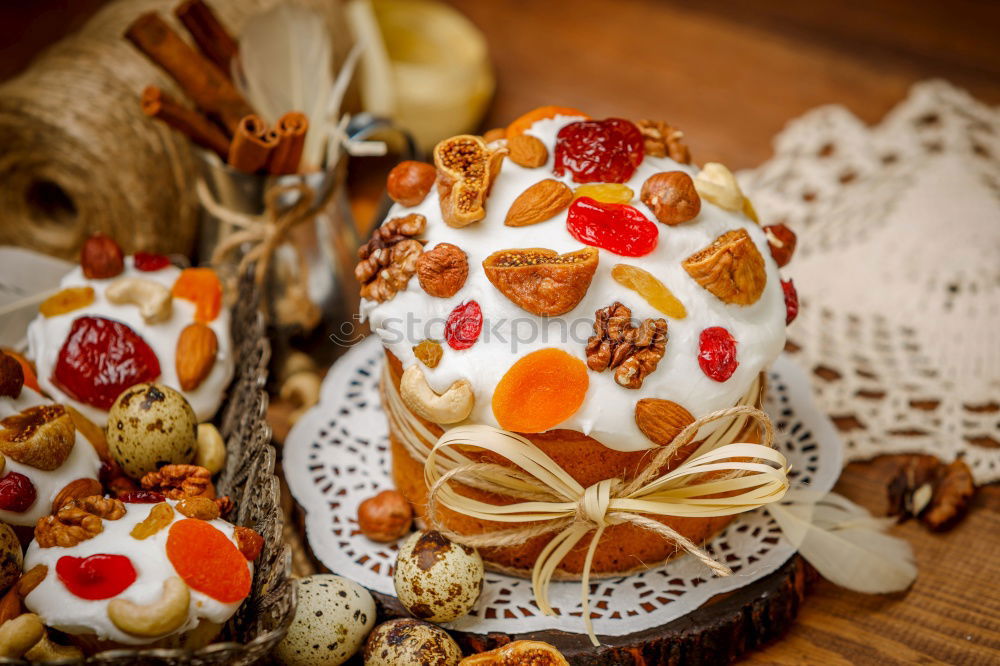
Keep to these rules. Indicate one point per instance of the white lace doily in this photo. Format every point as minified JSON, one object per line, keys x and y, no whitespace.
{"x":898,"y":270}
{"x":337,"y":455}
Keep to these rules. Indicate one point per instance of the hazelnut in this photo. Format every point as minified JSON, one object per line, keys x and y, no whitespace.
{"x":11,"y":376}
{"x":385,"y":517}
{"x":409,"y":182}
{"x":781,"y":240}
{"x":527,"y":151}
{"x":443,"y":270}
{"x":671,"y":196}
{"x":101,"y":258}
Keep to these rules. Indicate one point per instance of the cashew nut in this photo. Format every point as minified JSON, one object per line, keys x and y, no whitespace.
{"x":45,"y":651}
{"x":302,"y":390}
{"x":296,"y":362}
{"x":452,"y":406}
{"x":154,"y":300}
{"x":164,"y":615}
{"x":211,"y":449}
{"x":717,"y":183}
{"x":18,"y":635}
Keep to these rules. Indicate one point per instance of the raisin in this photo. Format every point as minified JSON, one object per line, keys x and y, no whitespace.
{"x":791,"y":301}
{"x":100,"y":359}
{"x":141,"y":497}
{"x":618,"y":228}
{"x":464,"y":325}
{"x":605,"y":193}
{"x":717,"y":353}
{"x":599,"y":151}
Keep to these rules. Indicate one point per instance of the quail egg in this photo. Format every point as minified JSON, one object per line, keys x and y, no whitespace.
{"x":435,"y":579}
{"x":11,"y":557}
{"x":332,"y":619}
{"x":409,"y":641}
{"x":151,"y":425}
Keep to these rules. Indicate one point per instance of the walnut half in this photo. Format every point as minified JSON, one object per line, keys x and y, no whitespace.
{"x":389,"y":259}
{"x":77,"y":521}
{"x":632,"y":351}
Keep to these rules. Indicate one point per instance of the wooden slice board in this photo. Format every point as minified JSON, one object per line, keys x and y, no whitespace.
{"x":719,"y":632}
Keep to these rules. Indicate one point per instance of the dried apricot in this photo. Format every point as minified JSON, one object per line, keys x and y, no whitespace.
{"x":429,"y":353}
{"x":525,"y":121}
{"x":202,"y":287}
{"x":614,"y":193}
{"x":66,"y":300}
{"x":540,"y":391}
{"x":208,"y":561}
{"x":646,"y":285}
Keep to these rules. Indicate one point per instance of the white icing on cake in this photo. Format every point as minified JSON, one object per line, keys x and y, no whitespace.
{"x":46,"y":336}
{"x":607,"y":413}
{"x":61,"y":609}
{"x":81,"y":463}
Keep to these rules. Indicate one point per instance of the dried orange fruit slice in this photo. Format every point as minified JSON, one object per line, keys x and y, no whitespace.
{"x":202,"y":287}
{"x":605,"y":192}
{"x":540,"y":391}
{"x":518,"y":127}
{"x":646,"y":285}
{"x":208,"y":561}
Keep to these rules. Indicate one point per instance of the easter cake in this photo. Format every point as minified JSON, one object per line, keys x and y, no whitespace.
{"x":581,"y":284}
{"x":118,"y":321}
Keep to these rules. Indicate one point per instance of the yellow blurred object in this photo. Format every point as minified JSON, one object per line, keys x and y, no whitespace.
{"x":424,"y":64}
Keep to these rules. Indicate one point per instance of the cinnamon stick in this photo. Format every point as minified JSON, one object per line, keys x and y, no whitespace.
{"x":208,"y":33}
{"x":203,"y":82}
{"x":291,"y":129}
{"x":196,"y":127}
{"x":252,"y":145}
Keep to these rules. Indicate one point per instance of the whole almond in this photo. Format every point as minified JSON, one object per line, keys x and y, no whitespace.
{"x":197,"y":346}
{"x":409,"y":182}
{"x":538,"y":203}
{"x":443,"y":270}
{"x":495,"y":134}
{"x":76,"y":490}
{"x":661,"y":420}
{"x":527,"y":151}
{"x":101,"y":258}
{"x":671,"y":196}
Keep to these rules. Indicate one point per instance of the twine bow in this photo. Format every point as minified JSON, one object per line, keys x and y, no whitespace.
{"x":714,"y":481}
{"x":265,"y":233}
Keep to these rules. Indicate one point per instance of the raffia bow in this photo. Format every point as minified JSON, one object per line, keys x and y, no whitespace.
{"x":719,"y":481}
{"x":264,"y":234}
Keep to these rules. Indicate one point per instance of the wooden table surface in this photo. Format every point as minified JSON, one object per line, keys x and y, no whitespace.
{"x":731,"y":75}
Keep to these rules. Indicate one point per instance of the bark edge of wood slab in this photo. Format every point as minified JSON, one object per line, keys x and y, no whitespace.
{"x":719,"y":632}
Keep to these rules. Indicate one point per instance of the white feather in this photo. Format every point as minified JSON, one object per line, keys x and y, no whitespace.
{"x":286,"y":64}
{"x":845,"y":544}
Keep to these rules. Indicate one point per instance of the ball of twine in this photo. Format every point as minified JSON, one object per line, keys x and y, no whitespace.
{"x":77,"y":155}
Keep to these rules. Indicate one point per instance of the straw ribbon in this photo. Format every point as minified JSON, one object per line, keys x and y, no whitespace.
{"x":265,"y":233}
{"x":714,"y":481}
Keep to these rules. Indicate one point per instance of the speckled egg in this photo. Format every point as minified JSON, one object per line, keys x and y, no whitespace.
{"x":435,"y":579}
{"x":151,"y":425}
{"x":409,"y":641}
{"x":11,"y":557}
{"x":332,"y":619}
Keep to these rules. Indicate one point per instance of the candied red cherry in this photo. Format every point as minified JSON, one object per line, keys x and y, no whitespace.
{"x":17,"y":493}
{"x":100,"y":359}
{"x":717,"y":353}
{"x":618,"y":228}
{"x":464,"y":325}
{"x":149,"y":262}
{"x":142,"y":497}
{"x":791,"y":301}
{"x":100,"y":576}
{"x":599,"y":151}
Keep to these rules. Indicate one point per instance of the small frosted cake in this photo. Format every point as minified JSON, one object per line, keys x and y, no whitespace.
{"x":46,"y":452}
{"x":168,"y":573}
{"x":120,"y":321}
{"x":578,"y":282}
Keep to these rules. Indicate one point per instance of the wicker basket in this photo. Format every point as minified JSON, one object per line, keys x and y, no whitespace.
{"x":249,"y":480}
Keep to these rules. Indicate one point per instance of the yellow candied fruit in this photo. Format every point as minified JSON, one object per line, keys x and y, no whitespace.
{"x":613,"y":193}
{"x":749,"y":210}
{"x":646,"y":285}
{"x":66,"y":300}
